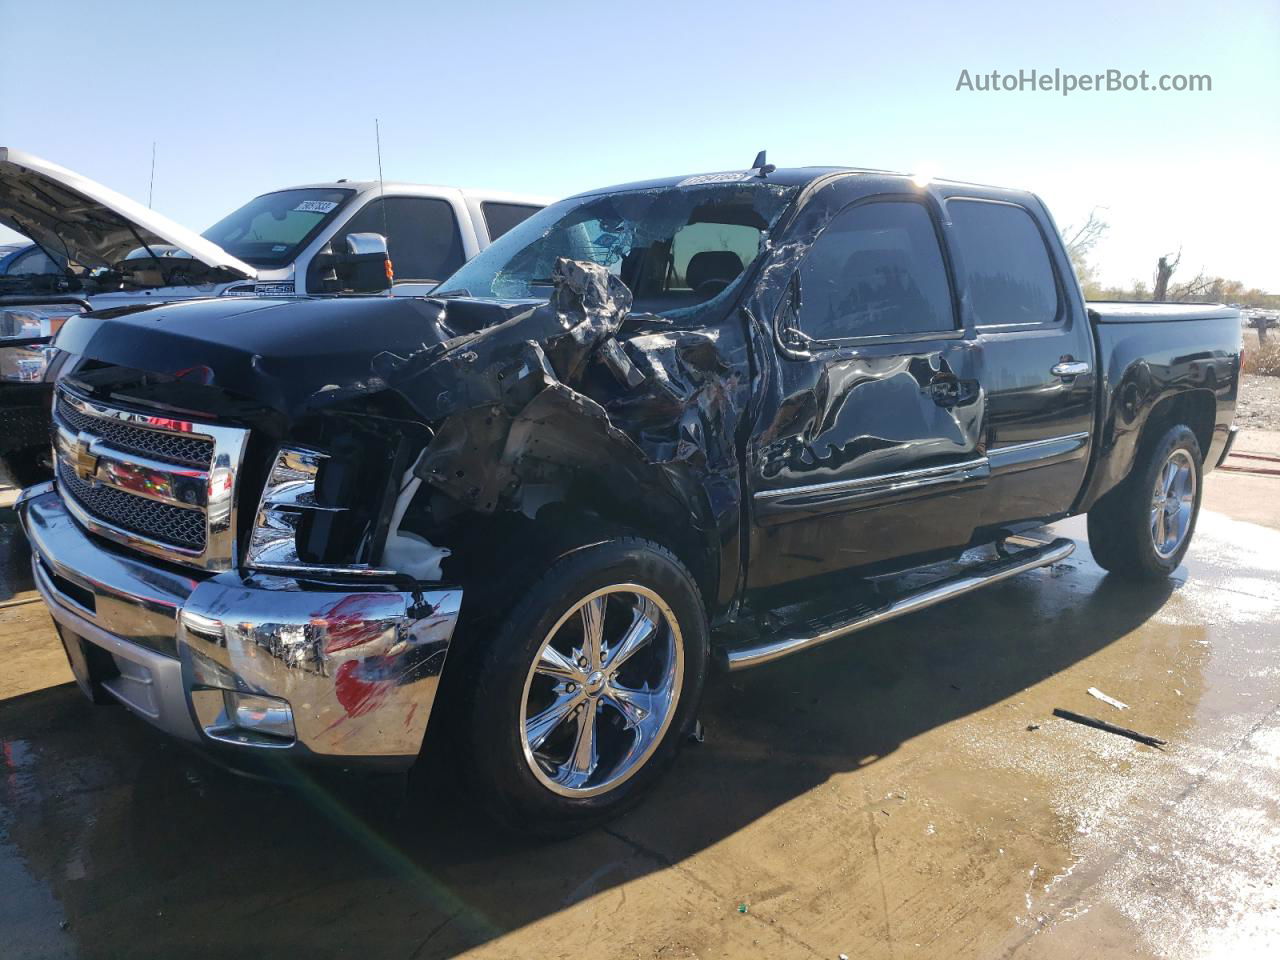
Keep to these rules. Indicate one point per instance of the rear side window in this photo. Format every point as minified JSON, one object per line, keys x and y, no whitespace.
{"x":1006,"y":263}
{"x":876,"y":270}
{"x":422,"y":235}
{"x":501,"y":217}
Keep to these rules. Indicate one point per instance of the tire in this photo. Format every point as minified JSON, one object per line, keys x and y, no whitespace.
{"x":1124,"y":527}
{"x":538,"y":786}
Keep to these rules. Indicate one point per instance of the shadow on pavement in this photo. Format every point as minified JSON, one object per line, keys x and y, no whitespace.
{"x":152,"y":850}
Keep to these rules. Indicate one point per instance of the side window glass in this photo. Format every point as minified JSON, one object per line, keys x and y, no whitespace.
{"x":33,"y":261}
{"x":1006,"y":264}
{"x":501,"y":217}
{"x":876,"y":270}
{"x":422,"y":235}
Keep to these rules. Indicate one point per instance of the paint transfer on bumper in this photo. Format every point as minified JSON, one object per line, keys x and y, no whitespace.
{"x":356,"y":668}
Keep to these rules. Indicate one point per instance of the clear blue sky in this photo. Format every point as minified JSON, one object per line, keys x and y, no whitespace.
{"x":554,"y":97}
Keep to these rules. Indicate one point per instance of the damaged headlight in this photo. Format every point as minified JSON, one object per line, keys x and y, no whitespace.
{"x":291,"y":513}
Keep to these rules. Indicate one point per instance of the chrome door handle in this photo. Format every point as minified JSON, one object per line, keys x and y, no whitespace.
{"x":1070,"y":368}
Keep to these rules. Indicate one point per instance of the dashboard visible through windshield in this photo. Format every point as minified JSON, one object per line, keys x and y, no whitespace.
{"x":270,"y":230}
{"x":675,"y":247}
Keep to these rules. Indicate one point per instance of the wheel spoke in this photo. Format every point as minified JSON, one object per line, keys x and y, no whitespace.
{"x":636,"y":706}
{"x":553,"y":663}
{"x":644,"y":623}
{"x":537,"y":729}
{"x":1161,"y":531}
{"x":592,"y":613}
{"x":582,"y":761}
{"x":1170,"y":475}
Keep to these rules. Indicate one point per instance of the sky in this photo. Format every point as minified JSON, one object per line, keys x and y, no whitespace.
{"x":553,"y":98}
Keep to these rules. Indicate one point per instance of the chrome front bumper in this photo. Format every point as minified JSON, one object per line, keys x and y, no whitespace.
{"x":358,"y":667}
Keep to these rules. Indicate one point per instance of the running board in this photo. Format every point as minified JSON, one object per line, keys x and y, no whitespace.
{"x":980,"y":575}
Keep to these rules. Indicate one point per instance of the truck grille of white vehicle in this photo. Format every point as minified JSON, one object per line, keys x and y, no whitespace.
{"x":157,"y":484}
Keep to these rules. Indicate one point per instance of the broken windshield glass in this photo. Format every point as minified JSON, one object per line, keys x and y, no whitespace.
{"x":674,"y":247}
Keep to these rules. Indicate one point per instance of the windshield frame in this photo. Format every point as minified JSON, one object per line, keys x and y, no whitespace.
{"x":288,"y":256}
{"x":511,"y":245}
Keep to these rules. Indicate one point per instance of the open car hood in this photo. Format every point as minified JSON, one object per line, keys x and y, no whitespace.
{"x":75,"y":218}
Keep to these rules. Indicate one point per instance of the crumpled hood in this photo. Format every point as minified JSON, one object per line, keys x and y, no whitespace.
{"x":298,"y":355}
{"x":277,"y":353}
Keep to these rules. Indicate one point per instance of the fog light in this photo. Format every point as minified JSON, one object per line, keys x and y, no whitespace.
{"x":255,"y":713}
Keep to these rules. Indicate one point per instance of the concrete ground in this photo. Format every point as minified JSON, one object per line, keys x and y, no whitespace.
{"x":905,"y":793}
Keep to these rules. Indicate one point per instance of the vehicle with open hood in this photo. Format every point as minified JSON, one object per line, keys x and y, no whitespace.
{"x":694,"y":421}
{"x":95,"y":249}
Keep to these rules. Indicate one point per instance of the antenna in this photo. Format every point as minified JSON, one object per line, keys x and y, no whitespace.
{"x":764,"y":168}
{"x":382,"y":200}
{"x":152,"y":186}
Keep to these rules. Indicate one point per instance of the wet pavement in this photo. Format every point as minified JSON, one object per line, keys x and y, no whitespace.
{"x":907,"y":792}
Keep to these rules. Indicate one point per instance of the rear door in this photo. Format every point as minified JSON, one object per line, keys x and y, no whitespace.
{"x":866,"y":447}
{"x":1037,"y":352}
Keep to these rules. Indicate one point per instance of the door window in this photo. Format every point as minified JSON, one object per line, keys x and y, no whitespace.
{"x":501,"y":217}
{"x":876,"y":270}
{"x":422,"y":235}
{"x":1006,"y":263}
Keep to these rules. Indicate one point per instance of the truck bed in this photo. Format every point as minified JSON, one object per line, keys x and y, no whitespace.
{"x":1149,"y":311}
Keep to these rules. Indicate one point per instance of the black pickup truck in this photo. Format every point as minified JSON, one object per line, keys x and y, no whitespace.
{"x":651,"y":429}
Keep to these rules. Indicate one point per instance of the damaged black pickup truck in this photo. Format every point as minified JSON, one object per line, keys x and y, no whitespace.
{"x":650,"y":429}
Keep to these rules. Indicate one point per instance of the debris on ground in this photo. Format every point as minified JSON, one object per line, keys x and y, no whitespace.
{"x":1033,"y":726}
{"x":1095,"y":692}
{"x":742,"y":908}
{"x":1109,"y":727}
{"x":698,"y":734}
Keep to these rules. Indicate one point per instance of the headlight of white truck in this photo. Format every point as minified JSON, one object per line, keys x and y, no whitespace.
{"x":21,"y":360}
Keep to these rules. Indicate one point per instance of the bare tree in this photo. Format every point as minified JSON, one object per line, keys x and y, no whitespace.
{"x":1200,"y":287}
{"x":1080,"y":240}
{"x":1164,"y":270}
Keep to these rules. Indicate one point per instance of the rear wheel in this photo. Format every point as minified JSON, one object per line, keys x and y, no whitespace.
{"x":588,"y":689}
{"x":1143,"y":528}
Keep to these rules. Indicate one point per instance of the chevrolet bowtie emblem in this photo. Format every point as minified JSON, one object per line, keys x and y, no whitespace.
{"x":83,"y":461}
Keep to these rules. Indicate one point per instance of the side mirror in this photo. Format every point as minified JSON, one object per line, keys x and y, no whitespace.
{"x":364,"y":267}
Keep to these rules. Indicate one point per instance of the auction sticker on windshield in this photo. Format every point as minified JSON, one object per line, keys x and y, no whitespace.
{"x":315,"y":206}
{"x":713,"y":178}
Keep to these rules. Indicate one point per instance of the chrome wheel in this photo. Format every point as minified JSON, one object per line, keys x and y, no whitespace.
{"x":1173,"y":501}
{"x":602,"y":690}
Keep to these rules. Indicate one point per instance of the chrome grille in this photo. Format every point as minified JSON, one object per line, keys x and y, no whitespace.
{"x":157,"y":484}
{"x":159,"y":521}
{"x":161,"y":444}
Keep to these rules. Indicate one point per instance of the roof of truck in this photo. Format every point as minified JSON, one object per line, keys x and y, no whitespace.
{"x":426,"y":189}
{"x":783,"y":176}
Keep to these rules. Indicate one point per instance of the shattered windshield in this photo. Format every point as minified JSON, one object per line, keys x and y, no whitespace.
{"x":269,"y":230}
{"x":675,"y":247}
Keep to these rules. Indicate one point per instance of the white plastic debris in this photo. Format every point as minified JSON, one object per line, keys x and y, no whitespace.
{"x":1095,"y":692}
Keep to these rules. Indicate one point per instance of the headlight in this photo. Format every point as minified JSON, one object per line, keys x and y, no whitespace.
{"x":289,"y":503}
{"x":27,"y":362}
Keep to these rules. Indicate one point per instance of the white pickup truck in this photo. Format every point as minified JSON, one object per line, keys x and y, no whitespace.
{"x":100,"y":245}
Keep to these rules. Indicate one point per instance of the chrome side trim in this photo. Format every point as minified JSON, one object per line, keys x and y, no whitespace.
{"x":965,"y":582}
{"x":883,"y":483}
{"x":1034,"y":453}
{"x":219,"y":481}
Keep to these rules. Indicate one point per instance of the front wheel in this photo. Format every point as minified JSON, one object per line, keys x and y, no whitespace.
{"x":1143,"y":528}
{"x":589,"y":687}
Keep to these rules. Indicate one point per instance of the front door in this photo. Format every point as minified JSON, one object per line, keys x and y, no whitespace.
{"x":867,"y":446}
